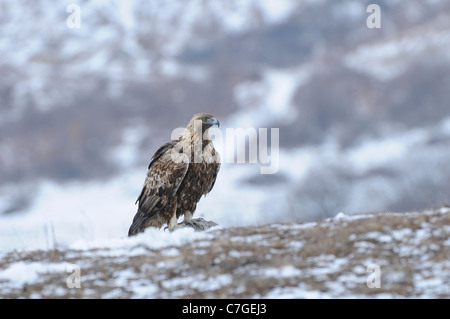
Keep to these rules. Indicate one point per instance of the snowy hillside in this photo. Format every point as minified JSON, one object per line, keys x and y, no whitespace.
{"x":86,"y":106}
{"x":375,"y":255}
{"x":363,"y":123}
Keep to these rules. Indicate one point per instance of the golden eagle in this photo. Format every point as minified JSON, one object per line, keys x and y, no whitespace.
{"x":179,"y":173}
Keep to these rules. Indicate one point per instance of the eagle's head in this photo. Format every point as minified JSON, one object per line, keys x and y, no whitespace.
{"x":197,"y":126}
{"x":207,"y":120}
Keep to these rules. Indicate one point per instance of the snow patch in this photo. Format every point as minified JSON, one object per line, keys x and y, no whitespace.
{"x":21,"y":273}
{"x":389,"y":59}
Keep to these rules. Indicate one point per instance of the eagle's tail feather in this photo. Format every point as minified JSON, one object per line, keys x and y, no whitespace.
{"x":138,"y":225}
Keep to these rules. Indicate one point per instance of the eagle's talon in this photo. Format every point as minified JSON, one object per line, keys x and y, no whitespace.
{"x":190,"y":224}
{"x":170,"y":228}
{"x":199,"y":227}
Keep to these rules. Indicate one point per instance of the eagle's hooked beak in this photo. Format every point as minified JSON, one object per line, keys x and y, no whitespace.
{"x":212,"y":121}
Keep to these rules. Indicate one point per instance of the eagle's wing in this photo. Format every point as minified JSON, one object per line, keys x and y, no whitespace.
{"x":164,"y":176}
{"x":212,"y":180}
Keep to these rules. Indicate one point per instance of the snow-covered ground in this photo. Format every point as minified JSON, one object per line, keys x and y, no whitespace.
{"x":365,"y":255}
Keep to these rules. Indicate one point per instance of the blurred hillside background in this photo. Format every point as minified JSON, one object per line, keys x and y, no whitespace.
{"x":364,"y":114}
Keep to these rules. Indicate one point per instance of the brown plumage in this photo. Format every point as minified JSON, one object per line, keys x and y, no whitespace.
{"x":179,"y":173}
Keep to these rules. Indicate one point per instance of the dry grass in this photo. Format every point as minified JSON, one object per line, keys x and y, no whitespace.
{"x":324,"y":259}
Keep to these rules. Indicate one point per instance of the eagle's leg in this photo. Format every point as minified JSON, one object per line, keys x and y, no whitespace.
{"x":173,"y":222}
{"x":187,"y":217}
{"x":187,"y":222}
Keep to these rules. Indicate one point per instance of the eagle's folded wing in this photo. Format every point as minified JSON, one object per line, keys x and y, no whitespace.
{"x":164,"y":176}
